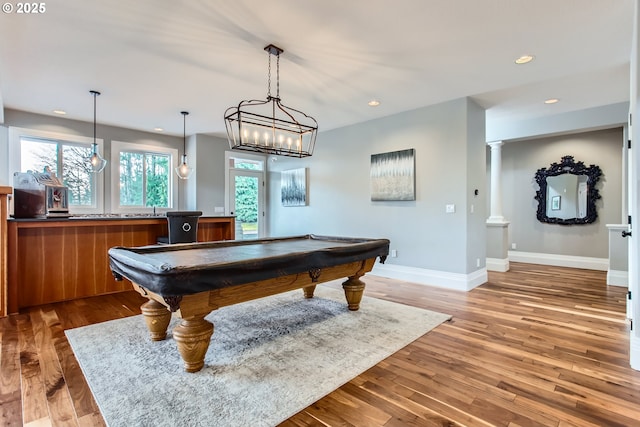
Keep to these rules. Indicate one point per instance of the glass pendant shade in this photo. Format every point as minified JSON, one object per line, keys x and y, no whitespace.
{"x":184,"y":171}
{"x":270,"y":126}
{"x":96,"y":161}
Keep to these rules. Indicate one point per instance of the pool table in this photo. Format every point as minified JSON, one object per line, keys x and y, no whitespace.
{"x":192,"y":280}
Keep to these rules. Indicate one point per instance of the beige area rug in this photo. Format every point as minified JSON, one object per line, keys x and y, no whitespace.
{"x":268,"y":359}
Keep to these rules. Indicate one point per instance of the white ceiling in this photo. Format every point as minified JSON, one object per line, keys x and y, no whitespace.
{"x":153,"y":58}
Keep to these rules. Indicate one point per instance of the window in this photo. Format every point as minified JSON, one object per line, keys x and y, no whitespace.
{"x":144,"y":180}
{"x":239,"y":163}
{"x":64,"y":155}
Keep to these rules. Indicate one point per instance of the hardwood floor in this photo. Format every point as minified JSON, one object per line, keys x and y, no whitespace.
{"x":536,"y":346}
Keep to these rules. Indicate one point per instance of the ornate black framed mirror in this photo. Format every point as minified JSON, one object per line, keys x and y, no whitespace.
{"x":568,"y":192}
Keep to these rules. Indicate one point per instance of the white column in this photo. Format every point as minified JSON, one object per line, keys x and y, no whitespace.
{"x":496,"y":182}
{"x":497,"y":227}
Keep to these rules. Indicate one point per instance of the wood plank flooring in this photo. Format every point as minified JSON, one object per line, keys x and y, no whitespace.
{"x":536,"y":346}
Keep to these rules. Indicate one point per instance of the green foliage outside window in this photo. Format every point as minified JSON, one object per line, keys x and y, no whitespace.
{"x":246,"y":196}
{"x":144,"y":179}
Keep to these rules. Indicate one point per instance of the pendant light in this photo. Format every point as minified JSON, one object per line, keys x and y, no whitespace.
{"x":270,"y":126}
{"x":97,"y":162}
{"x":184,"y":171}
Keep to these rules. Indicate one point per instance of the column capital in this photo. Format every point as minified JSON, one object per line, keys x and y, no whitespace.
{"x":494,"y":144}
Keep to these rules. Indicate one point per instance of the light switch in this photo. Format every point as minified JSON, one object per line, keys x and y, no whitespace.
{"x":450,"y":208}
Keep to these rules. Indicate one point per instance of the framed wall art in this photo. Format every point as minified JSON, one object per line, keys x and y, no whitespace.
{"x":393,"y":176}
{"x":293,"y":185}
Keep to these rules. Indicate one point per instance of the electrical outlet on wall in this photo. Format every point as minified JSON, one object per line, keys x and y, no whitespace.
{"x":513,"y":246}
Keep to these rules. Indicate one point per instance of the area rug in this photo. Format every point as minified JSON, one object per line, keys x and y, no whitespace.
{"x":268,"y":359}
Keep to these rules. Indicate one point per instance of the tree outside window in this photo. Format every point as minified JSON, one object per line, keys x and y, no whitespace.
{"x":144,"y":179}
{"x":67,"y":160}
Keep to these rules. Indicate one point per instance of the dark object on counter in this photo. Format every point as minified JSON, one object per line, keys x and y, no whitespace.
{"x":183,"y":227}
{"x":39,"y":195}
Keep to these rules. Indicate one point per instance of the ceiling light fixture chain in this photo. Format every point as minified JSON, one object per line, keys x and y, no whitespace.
{"x":277,"y":75}
{"x":269,"y":79}
{"x":269,"y":126}
{"x":95,"y":94}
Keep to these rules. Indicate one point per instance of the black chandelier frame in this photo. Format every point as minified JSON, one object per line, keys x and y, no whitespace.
{"x":269,"y":126}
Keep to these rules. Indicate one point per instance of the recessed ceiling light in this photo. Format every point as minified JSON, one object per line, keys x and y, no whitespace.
{"x":373,"y":103}
{"x":524,"y":59}
{"x":551,"y":101}
{"x":158,"y":129}
{"x":61,"y":112}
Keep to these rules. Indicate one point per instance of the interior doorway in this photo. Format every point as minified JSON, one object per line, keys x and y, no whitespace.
{"x":245,"y":194}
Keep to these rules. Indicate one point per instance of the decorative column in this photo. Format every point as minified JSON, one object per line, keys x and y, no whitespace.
{"x":496,"y":182}
{"x":497,"y":227}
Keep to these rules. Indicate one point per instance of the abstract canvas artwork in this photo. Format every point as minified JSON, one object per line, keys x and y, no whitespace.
{"x":294,"y":187}
{"x":393,"y":175}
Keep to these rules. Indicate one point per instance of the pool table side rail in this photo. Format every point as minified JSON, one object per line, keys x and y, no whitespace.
{"x":169,"y":280}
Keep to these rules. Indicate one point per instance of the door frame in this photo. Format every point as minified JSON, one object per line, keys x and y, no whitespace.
{"x":261,"y":174}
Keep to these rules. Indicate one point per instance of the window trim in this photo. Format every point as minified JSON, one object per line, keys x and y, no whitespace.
{"x":130,"y":147}
{"x":17,"y":133}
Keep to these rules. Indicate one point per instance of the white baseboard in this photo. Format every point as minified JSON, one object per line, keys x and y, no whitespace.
{"x":497,"y":264}
{"x":618,"y":278}
{"x":588,"y":263}
{"x":443,"y":279}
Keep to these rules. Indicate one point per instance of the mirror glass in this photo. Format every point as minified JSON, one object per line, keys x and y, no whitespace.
{"x":567,"y":196}
{"x":567,"y":192}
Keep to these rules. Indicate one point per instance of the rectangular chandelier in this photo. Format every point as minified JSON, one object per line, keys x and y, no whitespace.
{"x":269,"y":126}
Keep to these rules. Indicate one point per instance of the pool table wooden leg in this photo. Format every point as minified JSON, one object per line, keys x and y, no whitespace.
{"x":353,"y":290}
{"x":192,"y":336}
{"x":309,"y":290}
{"x":157,"y":318}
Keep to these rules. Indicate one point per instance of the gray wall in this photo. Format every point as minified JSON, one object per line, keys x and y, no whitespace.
{"x":208,"y":186}
{"x":450,"y":163}
{"x":521,"y":160}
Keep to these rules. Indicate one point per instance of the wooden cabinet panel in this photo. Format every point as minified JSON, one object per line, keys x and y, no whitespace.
{"x":58,"y":260}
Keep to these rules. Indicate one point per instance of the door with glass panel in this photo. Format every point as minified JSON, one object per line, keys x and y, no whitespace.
{"x":246,"y":202}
